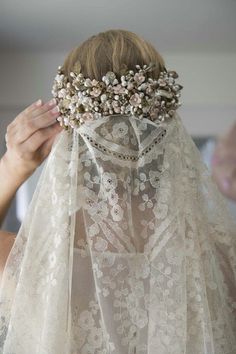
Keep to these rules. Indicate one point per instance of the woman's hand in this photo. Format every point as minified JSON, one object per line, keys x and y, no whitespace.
{"x":224,"y":163}
{"x":29,"y":139}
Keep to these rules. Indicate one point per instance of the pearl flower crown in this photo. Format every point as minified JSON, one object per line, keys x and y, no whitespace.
{"x":135,"y":94}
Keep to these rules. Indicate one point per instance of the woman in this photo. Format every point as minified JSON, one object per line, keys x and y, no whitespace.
{"x":127,"y":246}
{"x":224,"y":163}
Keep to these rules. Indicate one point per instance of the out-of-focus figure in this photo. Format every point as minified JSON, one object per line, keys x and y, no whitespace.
{"x":224,"y":163}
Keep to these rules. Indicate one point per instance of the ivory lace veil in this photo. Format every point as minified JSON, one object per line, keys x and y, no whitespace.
{"x":127,"y":247}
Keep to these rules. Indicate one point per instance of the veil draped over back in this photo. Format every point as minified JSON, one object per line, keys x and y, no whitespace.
{"x":127,"y":247}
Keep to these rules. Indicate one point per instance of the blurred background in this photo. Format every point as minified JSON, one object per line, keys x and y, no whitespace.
{"x":196,"y":38}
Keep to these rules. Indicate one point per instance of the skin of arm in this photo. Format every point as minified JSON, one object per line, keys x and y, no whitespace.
{"x":30,"y":137}
{"x":8,"y":187}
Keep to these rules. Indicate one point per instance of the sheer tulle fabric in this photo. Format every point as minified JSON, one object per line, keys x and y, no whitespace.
{"x":127,"y":247}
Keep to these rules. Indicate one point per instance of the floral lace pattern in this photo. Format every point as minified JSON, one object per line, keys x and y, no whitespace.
{"x":120,"y":255}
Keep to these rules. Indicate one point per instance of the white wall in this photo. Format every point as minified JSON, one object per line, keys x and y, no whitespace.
{"x":209,"y":93}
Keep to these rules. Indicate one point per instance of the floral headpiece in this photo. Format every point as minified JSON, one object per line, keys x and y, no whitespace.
{"x":134,"y":94}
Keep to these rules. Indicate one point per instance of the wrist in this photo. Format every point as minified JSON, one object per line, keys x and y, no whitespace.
{"x":11,"y":173}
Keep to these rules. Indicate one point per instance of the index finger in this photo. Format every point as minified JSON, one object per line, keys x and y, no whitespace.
{"x":32,"y":107}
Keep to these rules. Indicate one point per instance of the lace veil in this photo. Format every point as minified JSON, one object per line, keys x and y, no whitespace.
{"x":132,"y":202}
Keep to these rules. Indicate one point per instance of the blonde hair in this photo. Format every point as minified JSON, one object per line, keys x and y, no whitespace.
{"x":113,"y":50}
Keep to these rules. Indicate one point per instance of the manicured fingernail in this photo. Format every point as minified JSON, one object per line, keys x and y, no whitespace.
{"x":52,"y":102}
{"x":55,"y":109}
{"x":38,"y":103}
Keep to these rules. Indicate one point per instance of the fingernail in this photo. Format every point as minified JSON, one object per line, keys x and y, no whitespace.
{"x":38,"y":103}
{"x":55,"y":109}
{"x":52,"y":102}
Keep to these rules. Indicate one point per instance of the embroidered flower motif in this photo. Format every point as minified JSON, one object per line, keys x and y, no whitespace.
{"x":99,"y":211}
{"x":88,"y":197}
{"x":154,"y":178}
{"x":139,"y":317}
{"x":93,"y":230}
{"x":106,"y":259}
{"x":117,"y":212}
{"x":139,"y":185}
{"x":95,"y":337}
{"x":100,"y":244}
{"x":86,"y":320}
{"x":105,"y":292}
{"x":97,"y":271}
{"x":120,"y":130}
{"x":109,"y":180}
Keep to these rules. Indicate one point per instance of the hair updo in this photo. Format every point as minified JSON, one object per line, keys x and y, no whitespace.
{"x":112,"y":50}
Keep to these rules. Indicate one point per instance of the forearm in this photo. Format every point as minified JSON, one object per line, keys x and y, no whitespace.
{"x":9,"y":184}
{"x":27,"y":148}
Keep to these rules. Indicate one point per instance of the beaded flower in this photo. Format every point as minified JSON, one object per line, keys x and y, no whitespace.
{"x":82,"y":99}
